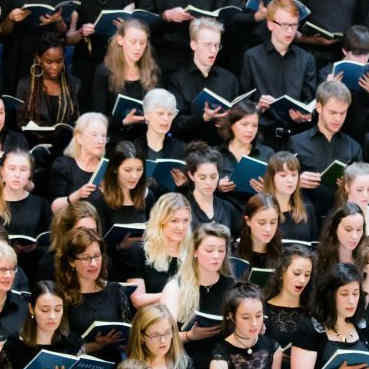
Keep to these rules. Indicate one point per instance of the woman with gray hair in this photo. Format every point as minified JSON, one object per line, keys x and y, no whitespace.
{"x":70,"y":173}
{"x":160,"y":108}
{"x":13,"y":304}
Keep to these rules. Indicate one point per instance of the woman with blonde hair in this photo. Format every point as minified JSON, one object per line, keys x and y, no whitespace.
{"x":154,"y":339}
{"x":128,"y":68}
{"x":167,"y":239}
{"x":282,"y":180}
{"x":200,"y":285}
{"x":81,"y":214}
{"x":355,"y":188}
{"x":70,"y":173}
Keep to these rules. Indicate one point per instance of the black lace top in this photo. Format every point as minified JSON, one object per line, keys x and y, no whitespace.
{"x":281,"y":324}
{"x":259,"y":356}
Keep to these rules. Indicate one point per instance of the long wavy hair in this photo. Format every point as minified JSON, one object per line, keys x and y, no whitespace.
{"x":188,"y":274}
{"x":258,"y":202}
{"x":328,"y":249}
{"x":276,"y":164}
{"x":154,"y":241}
{"x":112,"y":191}
{"x":78,"y":240}
{"x":324,"y":305}
{"x":116,"y":63}
{"x":145,"y":317}
{"x":275,"y":285}
{"x":66,"y":218}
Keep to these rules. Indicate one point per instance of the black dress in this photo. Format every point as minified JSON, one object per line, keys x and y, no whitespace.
{"x":134,"y":266}
{"x":211,"y":300}
{"x":261,"y":356}
{"x":311,"y":336}
{"x":110,"y":305}
{"x":85,"y":62}
{"x":281,"y":324}
{"x":13,"y":314}
{"x":66,"y":177}
{"x":66,"y":345}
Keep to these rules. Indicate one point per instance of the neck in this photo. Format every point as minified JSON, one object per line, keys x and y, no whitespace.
{"x":341,"y":324}
{"x":172,"y":248}
{"x":239,"y":147}
{"x":286,"y":299}
{"x":203,"y":199}
{"x":283,"y":201}
{"x":328,"y":135}
{"x":14,"y":195}
{"x":282,"y":49}
{"x":44,"y":338}
{"x":344,"y":255}
{"x":87,"y":286}
{"x":127,"y":196}
{"x":88,"y":161}
{"x":258,"y":246}
{"x":158,"y":361}
{"x":205,"y":70}
{"x":207,"y":278}
{"x":155,"y":140}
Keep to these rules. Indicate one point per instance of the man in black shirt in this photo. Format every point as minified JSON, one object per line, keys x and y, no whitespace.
{"x":185,"y":84}
{"x":319,"y":146}
{"x":277,"y":67}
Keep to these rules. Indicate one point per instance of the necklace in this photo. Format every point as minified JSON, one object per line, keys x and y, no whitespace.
{"x":344,"y":337}
{"x":239,"y":339}
{"x":2,"y":303}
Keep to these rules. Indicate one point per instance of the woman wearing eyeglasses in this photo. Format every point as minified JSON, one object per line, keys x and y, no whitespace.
{"x":80,"y":267}
{"x":154,"y":339}
{"x":71,"y":173}
{"x":13,"y":305}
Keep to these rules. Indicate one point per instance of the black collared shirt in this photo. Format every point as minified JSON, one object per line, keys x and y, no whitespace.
{"x":265,"y":69}
{"x":315,"y":153}
{"x":185,"y":85}
{"x":13,"y":314}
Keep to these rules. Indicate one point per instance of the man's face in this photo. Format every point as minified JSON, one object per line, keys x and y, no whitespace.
{"x":332,"y":115}
{"x":283,"y":27}
{"x":206,"y":47}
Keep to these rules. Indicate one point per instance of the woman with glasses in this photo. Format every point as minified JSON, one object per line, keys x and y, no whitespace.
{"x":45,"y":328}
{"x":80,"y":269}
{"x":13,"y":304}
{"x":154,"y":339}
{"x":70,"y":173}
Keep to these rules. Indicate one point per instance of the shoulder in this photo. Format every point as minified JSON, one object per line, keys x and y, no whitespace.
{"x":255,"y":51}
{"x":268,"y":343}
{"x":19,"y":297}
{"x":226,"y":282}
{"x":225,"y":73}
{"x":301,"y":52}
{"x":302,"y":137}
{"x":102,"y":70}
{"x":64,"y":163}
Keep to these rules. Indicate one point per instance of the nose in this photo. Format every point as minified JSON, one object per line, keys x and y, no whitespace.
{"x":268,"y":227}
{"x":93,"y":261}
{"x":351,"y":299}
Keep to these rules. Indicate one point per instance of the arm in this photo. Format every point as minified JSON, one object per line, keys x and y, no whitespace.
{"x":75,"y":35}
{"x":219,"y":364}
{"x":277,"y":359}
{"x":299,"y":356}
{"x":140,"y":297}
{"x":14,"y":16}
{"x":100,"y":90}
{"x":170,"y":297}
{"x":309,"y":84}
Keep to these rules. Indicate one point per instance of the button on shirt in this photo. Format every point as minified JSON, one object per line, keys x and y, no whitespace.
{"x":185,"y":85}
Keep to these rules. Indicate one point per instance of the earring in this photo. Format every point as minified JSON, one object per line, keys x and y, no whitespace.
{"x":33,"y":70}
{"x":32,"y":316}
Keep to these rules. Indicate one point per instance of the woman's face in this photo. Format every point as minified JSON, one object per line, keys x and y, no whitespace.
{"x":48,"y":312}
{"x":158,"y":338}
{"x":263,"y":225}
{"x":285,"y":181}
{"x":130,"y":172}
{"x":176,"y":227}
{"x":52,"y":62}
{"x":347,"y":300}
{"x":210,"y":253}
{"x":205,"y":179}
{"x":297,"y":276}
{"x":249,"y":318}
{"x":93,"y":139}
{"x":349,"y":231}
{"x":134,"y":44}
{"x":87,"y":222}
{"x":16,"y":171}
{"x":159,"y":120}
{"x":8,"y":269}
{"x":245,"y":129}
{"x":2,"y":115}
{"x":88,"y":264}
{"x":358,"y":191}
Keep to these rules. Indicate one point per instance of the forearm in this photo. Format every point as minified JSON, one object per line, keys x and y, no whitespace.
{"x":74,"y":36}
{"x":143,"y":299}
{"x":6,"y":26}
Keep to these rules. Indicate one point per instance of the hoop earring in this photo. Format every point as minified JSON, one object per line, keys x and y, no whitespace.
{"x":33,"y":70}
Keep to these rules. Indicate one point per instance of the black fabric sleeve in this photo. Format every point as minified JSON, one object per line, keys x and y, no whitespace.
{"x":60,"y":178}
{"x":307,"y":338}
{"x":132,"y":262}
{"x":100,"y":90}
{"x":309,"y":86}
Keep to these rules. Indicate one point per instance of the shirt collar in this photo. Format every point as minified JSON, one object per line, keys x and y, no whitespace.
{"x":316,"y":132}
{"x":269,"y":47}
{"x":194,"y":69}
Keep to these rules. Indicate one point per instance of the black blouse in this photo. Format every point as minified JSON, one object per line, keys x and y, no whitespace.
{"x":13,"y":314}
{"x":67,"y":345}
{"x":134,"y":265}
{"x":261,"y":356}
